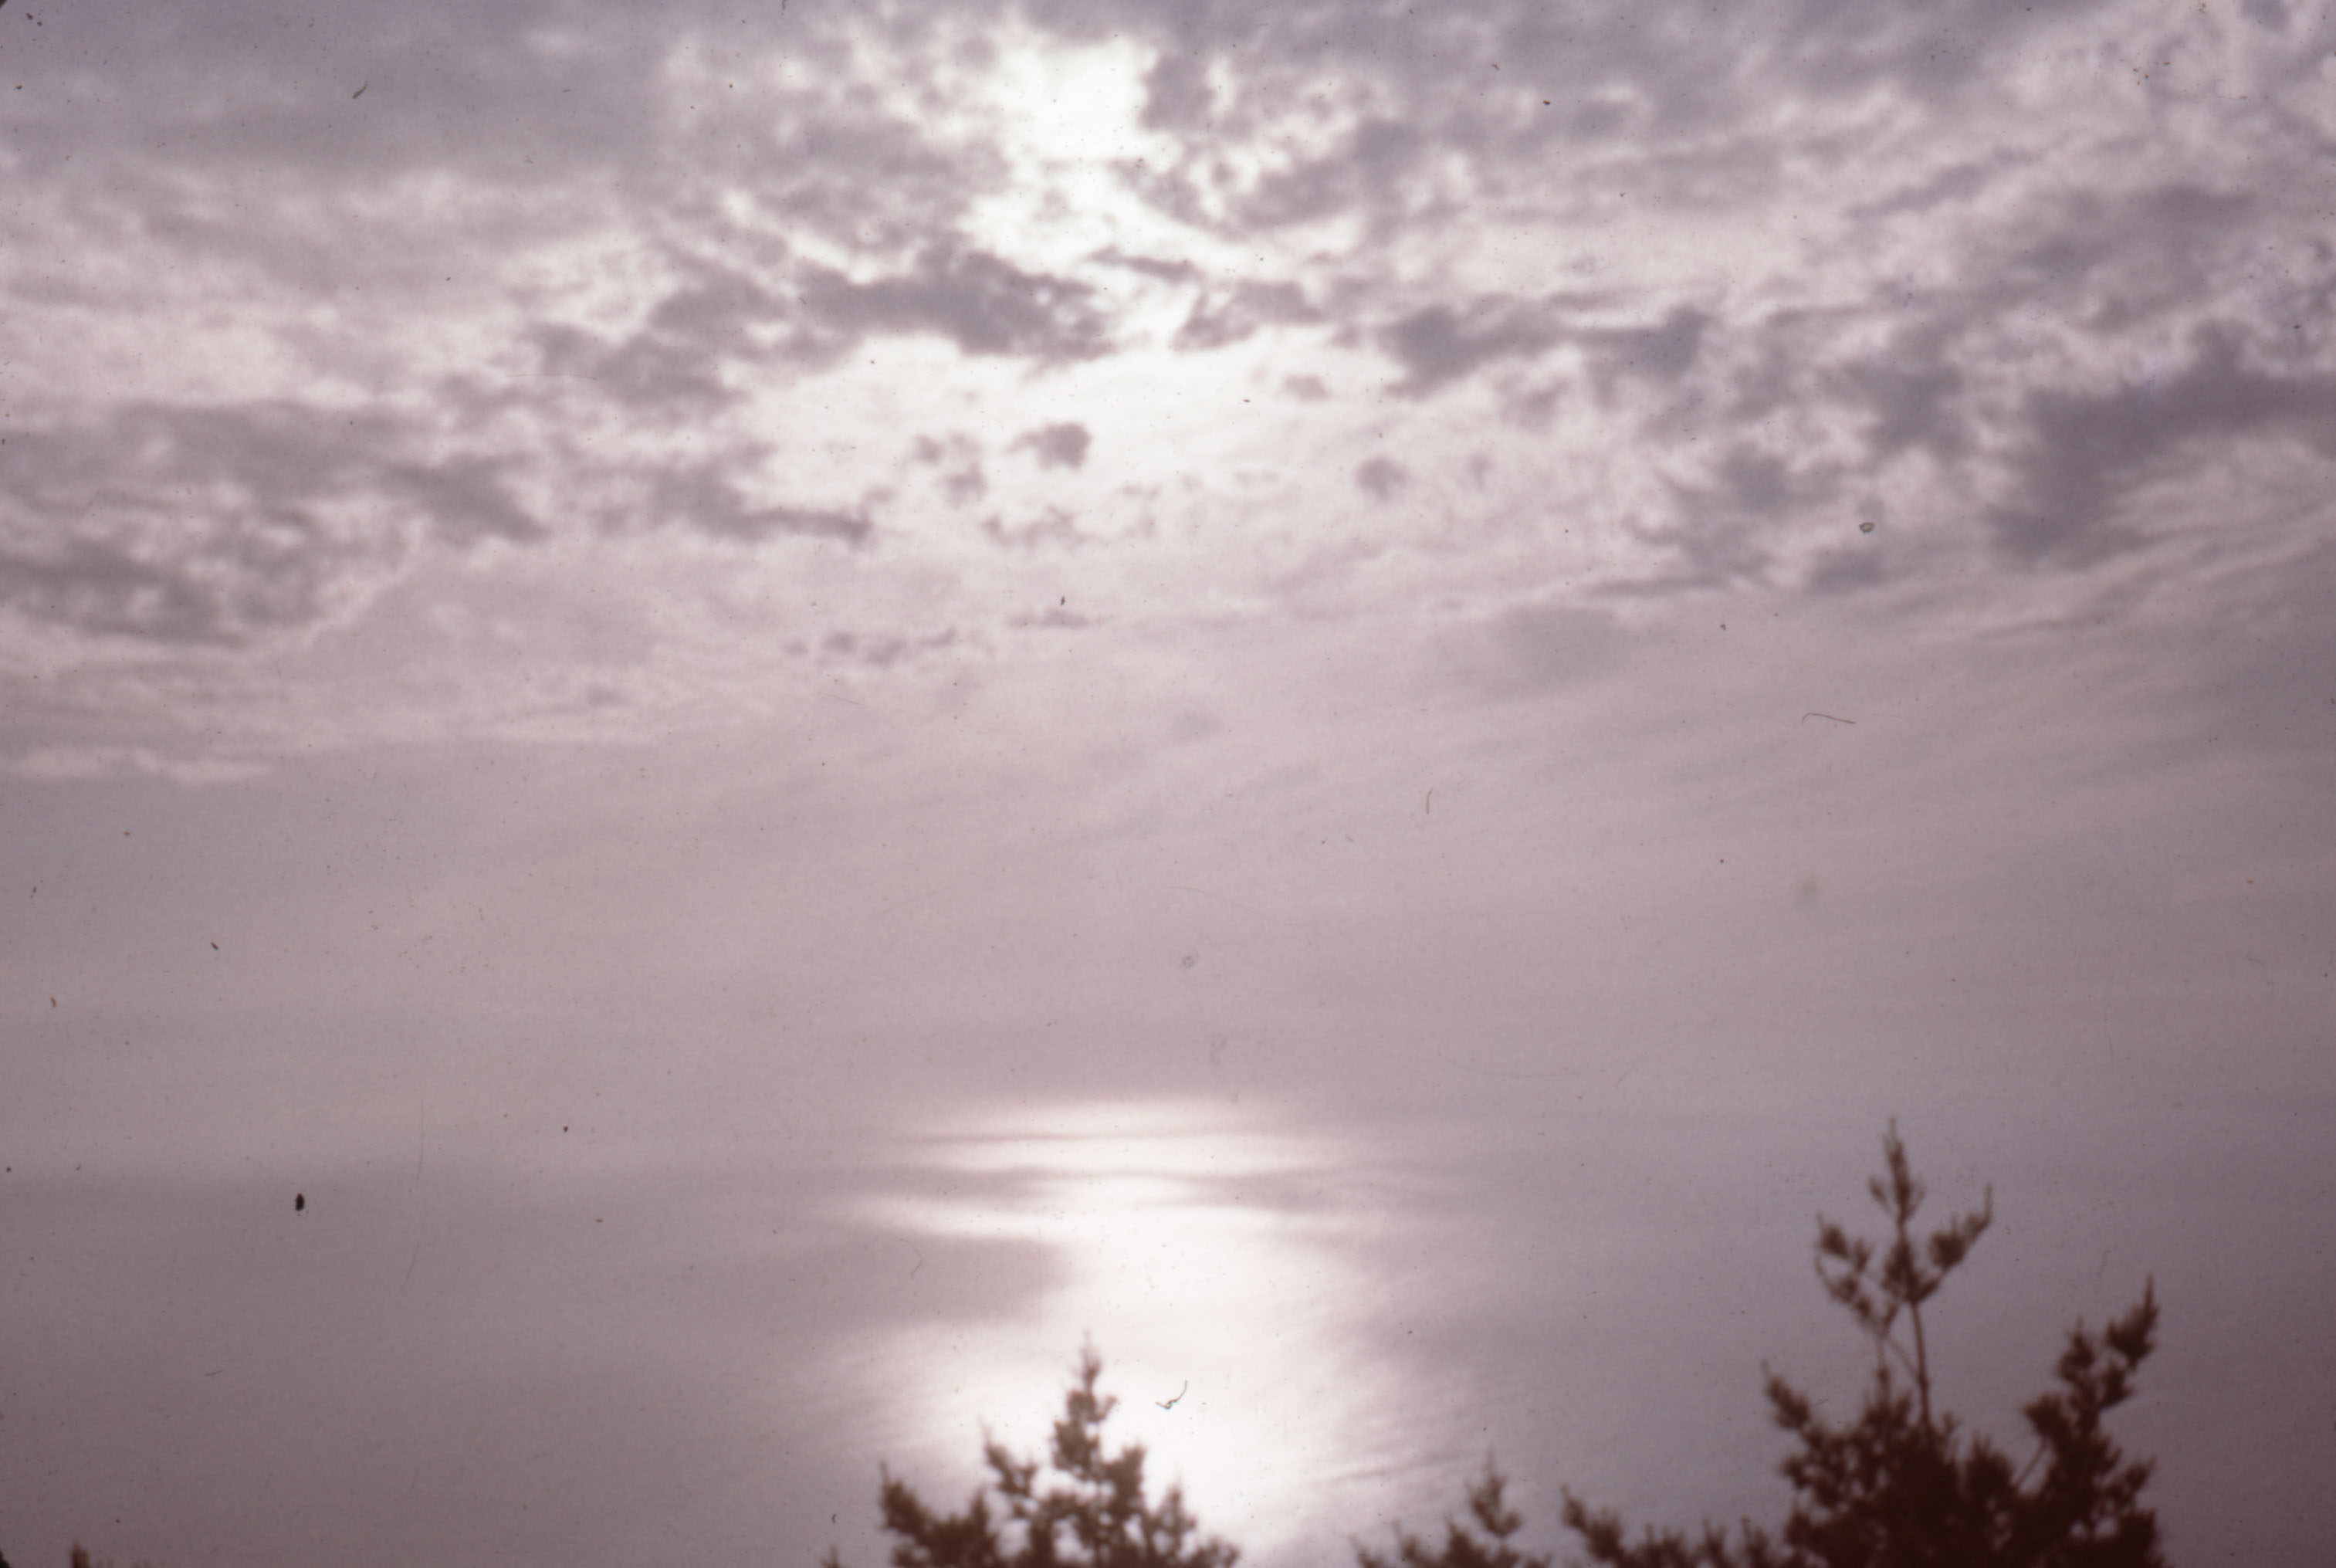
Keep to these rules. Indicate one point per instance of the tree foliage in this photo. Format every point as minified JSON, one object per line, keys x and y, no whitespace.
{"x":1094,"y":1515}
{"x":1479,"y":1541}
{"x":1900,"y":1485}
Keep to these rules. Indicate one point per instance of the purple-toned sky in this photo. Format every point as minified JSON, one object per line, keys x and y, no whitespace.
{"x":797,"y":703}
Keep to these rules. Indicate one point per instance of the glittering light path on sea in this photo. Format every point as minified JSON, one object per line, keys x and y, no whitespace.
{"x":1217,"y":1264}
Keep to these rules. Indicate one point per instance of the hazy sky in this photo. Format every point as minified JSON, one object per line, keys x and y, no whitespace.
{"x":797,"y":703}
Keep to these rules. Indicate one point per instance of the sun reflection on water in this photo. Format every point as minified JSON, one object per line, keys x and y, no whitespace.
{"x":1216,"y":1263}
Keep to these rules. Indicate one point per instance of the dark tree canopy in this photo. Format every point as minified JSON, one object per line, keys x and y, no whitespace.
{"x":1902,"y":1487}
{"x":1094,"y":1515}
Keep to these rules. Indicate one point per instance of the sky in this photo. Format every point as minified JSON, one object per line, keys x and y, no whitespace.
{"x":719,"y":726}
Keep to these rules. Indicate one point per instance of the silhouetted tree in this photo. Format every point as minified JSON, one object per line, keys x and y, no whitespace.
{"x":1901,"y":1486}
{"x":1479,"y":1541}
{"x":1096,"y":1516}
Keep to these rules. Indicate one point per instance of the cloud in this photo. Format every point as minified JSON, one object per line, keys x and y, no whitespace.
{"x":1219,"y":319}
{"x":1149,"y":266}
{"x":225,"y":524}
{"x":711,"y":502}
{"x":1845,"y":571}
{"x":1956,"y":182}
{"x":524,"y":94}
{"x":675,"y":360}
{"x":1927,"y":49}
{"x":1972,"y":299}
{"x":1397,"y":119}
{"x":1380,"y":478}
{"x":1367,"y":166}
{"x":1911,"y":395}
{"x":958,"y":456}
{"x":72,"y":763}
{"x":1057,"y":445}
{"x":466,"y":499}
{"x":1440,"y":344}
{"x":984,"y":305}
{"x":2085,"y":452}
{"x":884,"y":649}
{"x":1663,"y":352}
{"x":1053,"y":617}
{"x":1052,"y":527}
{"x":1700,"y":548}
{"x":2121,"y":258}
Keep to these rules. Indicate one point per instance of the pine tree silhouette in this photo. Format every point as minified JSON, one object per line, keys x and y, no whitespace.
{"x":1096,"y":1516}
{"x":1902,"y":1485}
{"x":1479,"y":1541}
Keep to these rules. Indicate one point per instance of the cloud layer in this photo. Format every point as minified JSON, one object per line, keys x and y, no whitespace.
{"x":1685,"y":304}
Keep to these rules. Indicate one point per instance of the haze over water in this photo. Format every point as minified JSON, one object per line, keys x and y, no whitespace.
{"x":794,"y":706}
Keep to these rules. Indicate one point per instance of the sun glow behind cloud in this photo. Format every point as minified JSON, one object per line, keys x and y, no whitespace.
{"x":1064,"y":118}
{"x":1212,"y":1258}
